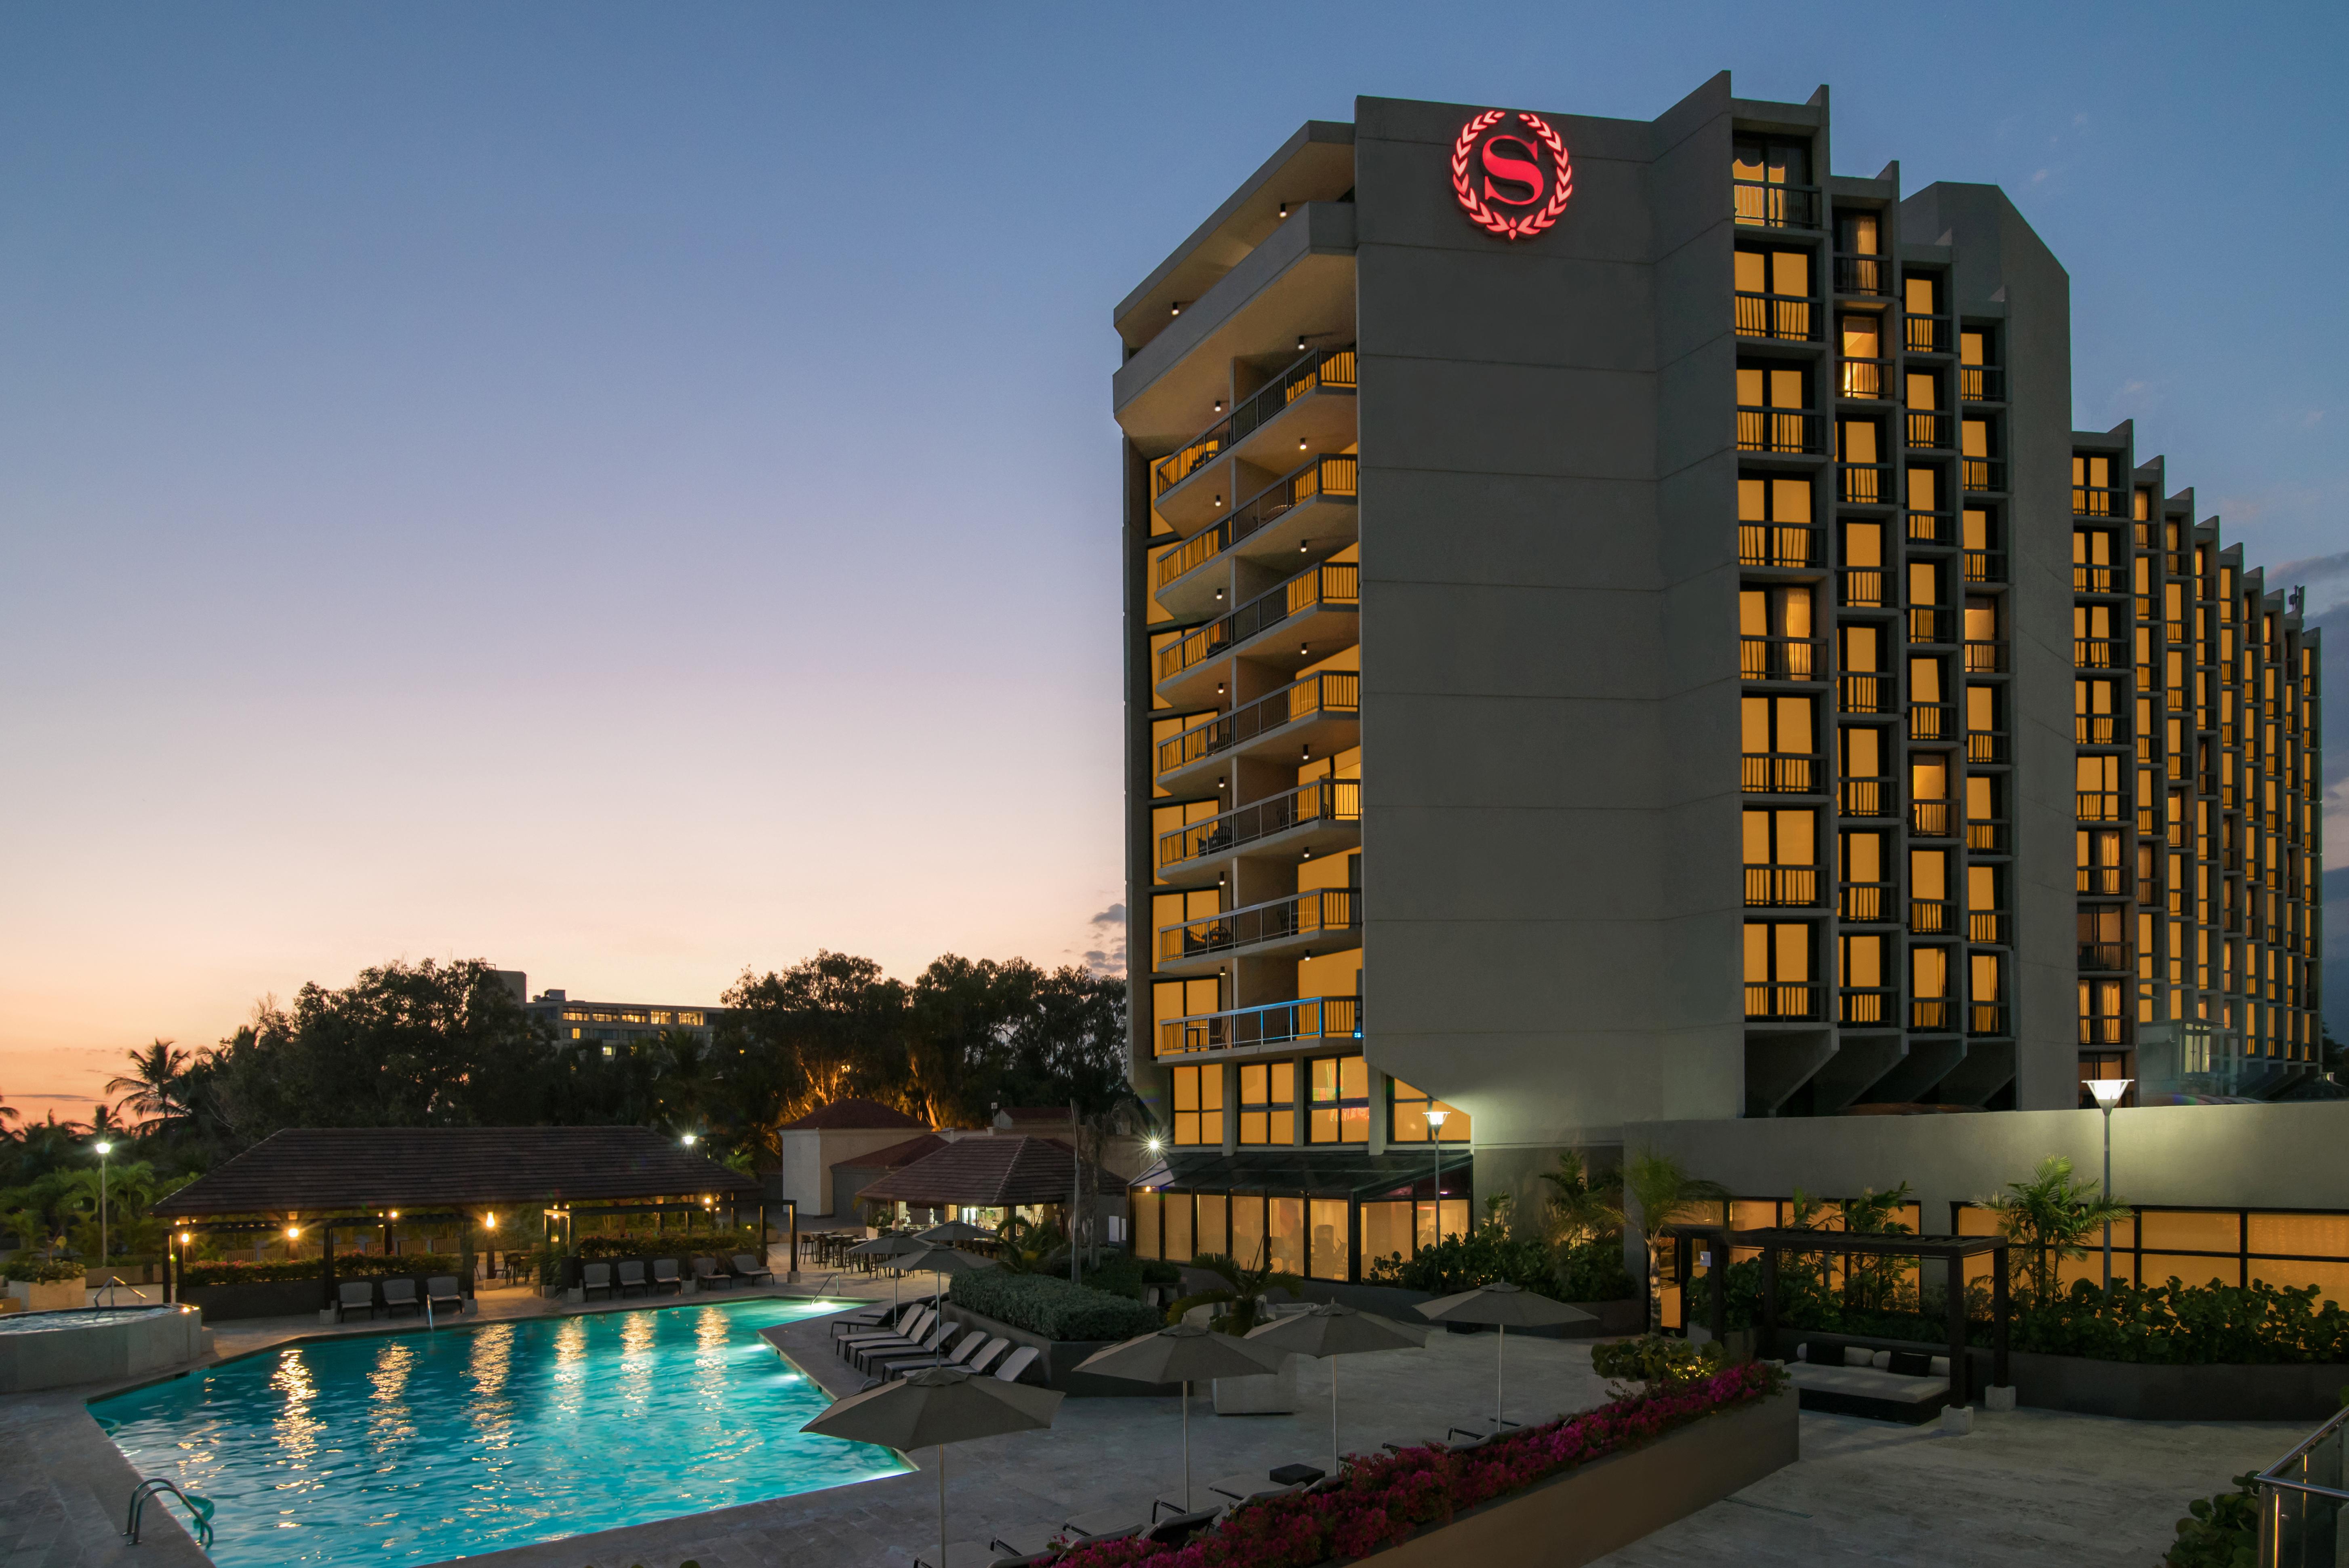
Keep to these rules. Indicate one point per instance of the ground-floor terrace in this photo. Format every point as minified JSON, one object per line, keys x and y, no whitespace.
{"x":2025,"y":1488}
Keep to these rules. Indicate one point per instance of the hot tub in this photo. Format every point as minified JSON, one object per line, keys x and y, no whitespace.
{"x":94,"y":1345}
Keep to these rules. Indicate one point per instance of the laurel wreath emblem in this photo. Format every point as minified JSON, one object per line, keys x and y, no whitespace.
{"x":1508,"y":228}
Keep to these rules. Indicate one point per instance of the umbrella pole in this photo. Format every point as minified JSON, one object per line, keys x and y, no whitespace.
{"x":942,"y":1505}
{"x":1333,"y":1415}
{"x":1500,"y":1403}
{"x":1187,"y":1445}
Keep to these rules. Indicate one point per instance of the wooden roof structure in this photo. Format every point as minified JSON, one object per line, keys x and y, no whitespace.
{"x":991,"y":1171}
{"x":311,"y":1169}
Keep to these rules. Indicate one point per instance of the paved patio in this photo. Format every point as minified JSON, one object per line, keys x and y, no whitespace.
{"x":2025,"y":1488}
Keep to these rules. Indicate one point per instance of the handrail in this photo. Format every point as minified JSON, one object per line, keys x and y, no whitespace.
{"x":1332,"y":582}
{"x":1323,"y":799}
{"x":1299,"y":914}
{"x":113,"y":1282}
{"x":1272,"y":1024}
{"x":1318,"y":370}
{"x":200,"y":1508}
{"x":1774,"y":204}
{"x":1335,"y":692}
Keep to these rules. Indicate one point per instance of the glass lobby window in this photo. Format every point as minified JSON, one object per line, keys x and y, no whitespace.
{"x":1339,"y":1109}
{"x":1286,"y":1233}
{"x":1176,"y":1227}
{"x":1268,"y":1103}
{"x":1148,"y":1207}
{"x":1862,"y":335}
{"x":1212,"y":1237}
{"x":1407,"y":1110}
{"x":1331,"y":1254}
{"x":1199,"y":1105}
{"x":1248,"y":1230}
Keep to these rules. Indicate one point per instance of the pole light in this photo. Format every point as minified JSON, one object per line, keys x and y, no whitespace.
{"x":104,"y":1149}
{"x":1435,"y":1136}
{"x":2107,"y":1092}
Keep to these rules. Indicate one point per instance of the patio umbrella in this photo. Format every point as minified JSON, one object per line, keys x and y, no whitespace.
{"x":941,"y":1261}
{"x":933,"y":1407}
{"x":1331,"y":1330}
{"x":886,"y":1247}
{"x":1181,"y":1352}
{"x":954,"y":1230}
{"x":1503,"y":1305}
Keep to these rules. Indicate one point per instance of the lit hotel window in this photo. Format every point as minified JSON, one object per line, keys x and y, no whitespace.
{"x":1340,"y":1109}
{"x":1199,"y":1105}
{"x":1407,"y":1117}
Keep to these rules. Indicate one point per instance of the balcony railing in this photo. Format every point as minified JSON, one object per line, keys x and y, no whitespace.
{"x":1987,"y":925}
{"x":1933,"y":1015}
{"x":1863,"y":379}
{"x":1931,"y":819}
{"x":1931,"y":528}
{"x":2099,"y":881}
{"x":1781,"y":659}
{"x":1932,"y":720}
{"x":1986,"y":1019}
{"x":1929,"y":432}
{"x":1867,"y":797}
{"x":1781,"y":1001}
{"x":1337,"y":583}
{"x":1981,"y":474}
{"x":1931,"y":624}
{"x":1323,"y":800}
{"x":2104,"y":1031}
{"x":1986,"y":838}
{"x":2096,"y":805}
{"x":1789,"y":317}
{"x":1986,"y":745}
{"x":1985,"y":658}
{"x":1768,"y":205}
{"x":2098,"y":580}
{"x":1862,"y":587}
{"x":1863,"y":484}
{"x":1932,"y":916}
{"x":1777,"y":545}
{"x":2100,"y":729}
{"x":1323,"y":370}
{"x":1781,"y":887}
{"x":2100,"y":653}
{"x":1986,"y":565}
{"x":1777,"y":773}
{"x":1928,"y":334}
{"x":1868,"y":1004}
{"x":2099,"y":501}
{"x":1331,"y":479}
{"x":1866,"y":901}
{"x":1780,"y":430}
{"x":1981,"y":383}
{"x":1336,"y":693}
{"x":1275,"y":1024}
{"x":2104,"y":957}
{"x":1864,"y":694}
{"x":1302,"y":914}
{"x":1862,"y":274}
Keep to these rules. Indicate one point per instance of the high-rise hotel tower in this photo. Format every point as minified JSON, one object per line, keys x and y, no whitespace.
{"x":1620,"y":628}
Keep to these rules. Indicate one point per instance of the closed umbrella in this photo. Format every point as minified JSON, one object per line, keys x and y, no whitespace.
{"x":1503,"y":1306}
{"x":1181,"y":1352}
{"x":1331,"y":1330}
{"x":933,"y":1407}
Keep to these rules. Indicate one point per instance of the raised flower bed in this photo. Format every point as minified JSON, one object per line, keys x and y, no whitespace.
{"x":1560,"y":1494}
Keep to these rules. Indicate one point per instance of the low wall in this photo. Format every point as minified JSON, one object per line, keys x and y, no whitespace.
{"x":1603,"y":1506}
{"x":137,"y":1341}
{"x":258,"y":1298}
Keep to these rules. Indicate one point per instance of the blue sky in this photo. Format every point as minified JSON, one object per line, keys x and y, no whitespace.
{"x":629,"y":491}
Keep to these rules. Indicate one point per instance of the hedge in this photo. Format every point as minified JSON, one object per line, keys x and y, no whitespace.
{"x":38,"y":1271}
{"x":1051,"y":1306}
{"x":703,"y":1243}
{"x":347,"y":1266}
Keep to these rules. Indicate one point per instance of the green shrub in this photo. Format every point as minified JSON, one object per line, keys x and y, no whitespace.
{"x":2222,"y":1531}
{"x":41,"y":1271}
{"x":722,"y":1243}
{"x":1593,"y":1271}
{"x":1042,"y":1304}
{"x":1654,"y":1359}
{"x":347,"y":1266}
{"x":1463,"y":1262}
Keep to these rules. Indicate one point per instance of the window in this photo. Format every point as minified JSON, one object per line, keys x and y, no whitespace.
{"x":1774,"y":518}
{"x":1248,"y":1230}
{"x":1407,"y":1110}
{"x":1212,"y":1237}
{"x":1339,"y":1109}
{"x":1928,"y":892}
{"x":1862,"y":335}
{"x":1286,"y":1233}
{"x":1986,"y":920}
{"x":1268,"y":1103}
{"x":1770,"y":413}
{"x":1928,"y":988}
{"x":1986,"y":1014}
{"x":1148,"y":1207}
{"x":1774,"y":629}
{"x":1777,"y":738}
{"x":1773,"y":295}
{"x":1778,"y":971}
{"x":1782,"y":856}
{"x":1864,"y":980}
{"x":2099,"y":869}
{"x":1331,"y":1254}
{"x":1199,"y":1105}
{"x":1768,"y":174}
{"x":1176,"y":1227}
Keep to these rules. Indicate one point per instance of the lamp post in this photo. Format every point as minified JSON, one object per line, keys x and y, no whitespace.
{"x":1435,"y":1136}
{"x":2107,"y":1093}
{"x":104,"y":1149}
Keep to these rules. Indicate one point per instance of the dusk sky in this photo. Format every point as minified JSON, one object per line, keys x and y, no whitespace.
{"x":629,"y":492}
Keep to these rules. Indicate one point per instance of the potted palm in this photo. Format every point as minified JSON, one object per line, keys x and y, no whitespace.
{"x":1234,"y":1307}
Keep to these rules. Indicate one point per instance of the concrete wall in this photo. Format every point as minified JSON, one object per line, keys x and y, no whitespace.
{"x":810,"y":1153}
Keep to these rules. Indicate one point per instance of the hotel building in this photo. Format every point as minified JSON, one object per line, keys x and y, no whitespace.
{"x":1620,"y":629}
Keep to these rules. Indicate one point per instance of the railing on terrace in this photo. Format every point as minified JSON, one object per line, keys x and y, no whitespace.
{"x":2099,"y":501}
{"x":1932,"y":916}
{"x":2098,"y":580}
{"x":2303,"y":1502}
{"x":1769,"y":206}
{"x":1778,"y":773}
{"x":1869,"y":1004}
{"x":1986,"y":1019}
{"x":1863,"y":484}
{"x":1323,"y":370}
{"x":2099,"y":881}
{"x":1987,"y":925}
{"x":1866,"y":901}
{"x":1862,"y":587}
{"x":1863,"y":274}
{"x":1929,"y":432}
{"x":1929,"y":334}
{"x":1777,"y":545}
{"x":1981,"y":474}
{"x":1781,"y":659}
{"x":1932,"y":720}
{"x":1790,"y":318}
{"x":1275,"y":1024}
{"x":1981,"y":383}
{"x":1931,"y":819}
{"x":1931,"y":624}
{"x":2096,"y":805}
{"x":2104,"y":957}
{"x":1335,"y":479}
{"x":1301,"y":914}
{"x":2100,"y":729}
{"x":1781,"y":887}
{"x":1784,"y":1001}
{"x":1864,"y":694}
{"x":1863,"y":378}
{"x":1986,"y":837}
{"x":1986,"y":746}
{"x":1337,"y":583}
{"x":1985,"y":658}
{"x":2099,"y":653}
{"x":1933,"y":1014}
{"x":1323,"y":800}
{"x":1986,"y":565}
{"x":1867,"y":797}
{"x":1931,"y":528}
{"x":2104,"y":1030}
{"x":1337,"y":693}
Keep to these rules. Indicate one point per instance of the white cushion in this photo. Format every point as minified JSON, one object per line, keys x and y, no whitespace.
{"x":1941,"y":1367}
{"x":1802,"y":1351}
{"x":1853,"y":1355}
{"x":1881,"y":1360}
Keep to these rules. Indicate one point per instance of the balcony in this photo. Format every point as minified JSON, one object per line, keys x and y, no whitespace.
{"x":1981,"y":383}
{"x":1276,"y":1023}
{"x":1775,"y":773}
{"x":1986,"y":837}
{"x":1330,"y":918}
{"x":1986,"y":745}
{"x":2105,"y":957}
{"x":2099,"y":881}
{"x":1868,"y":276}
{"x":2099,"y":501}
{"x":1866,"y":798}
{"x":1782,"y":887}
{"x":1987,"y":474}
{"x":1928,"y":334}
{"x":1326,"y":706}
{"x":1929,"y":433}
{"x":1320,"y":371}
{"x":1788,"y":318}
{"x":2104,"y":1031}
{"x":1764,"y":204}
{"x":2100,"y":653}
{"x":2098,"y":580}
{"x":1278,"y":518}
{"x":1866,"y":902}
{"x":2097,"y":805}
{"x":2100,"y":729}
{"x":1797,"y":431}
{"x":1864,"y":694}
{"x":1933,"y":1015}
{"x":1861,"y":588}
{"x":1932,"y":721}
{"x":1865,"y":1006}
{"x":1931,"y":820}
{"x":1863,"y":484}
{"x":1986,"y":1019}
{"x":1781,"y":659}
{"x":1781,"y":1002}
{"x":1987,"y":927}
{"x":1329,"y":810}
{"x":1931,"y":528}
{"x":1319,"y":605}
{"x":1863,"y":379}
{"x":1931,"y":624}
{"x":1985,"y":566}
{"x":1932,"y":916}
{"x":1985,"y":658}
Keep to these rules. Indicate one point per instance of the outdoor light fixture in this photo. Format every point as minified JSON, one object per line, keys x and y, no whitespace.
{"x":394,"y":1213}
{"x":292,"y":1233}
{"x":688,"y":1139}
{"x":2106,"y":1093}
{"x":1175,"y":309}
{"x":1300,"y":650}
{"x":1435,"y":1136}
{"x":1219,"y":500}
{"x":1301,"y":343}
{"x":489,"y":1222}
{"x":1155,"y":1144}
{"x":1284,"y":209}
{"x":1300,"y":443}
{"x":1219,"y":405}
{"x":104,"y":1149}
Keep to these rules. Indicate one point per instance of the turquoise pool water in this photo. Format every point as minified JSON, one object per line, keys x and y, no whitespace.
{"x":413,"y":1447}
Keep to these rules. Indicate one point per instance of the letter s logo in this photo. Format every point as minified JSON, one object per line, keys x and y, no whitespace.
{"x":1525,"y":171}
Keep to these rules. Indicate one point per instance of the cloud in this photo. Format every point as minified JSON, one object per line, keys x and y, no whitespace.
{"x":1107,"y":956}
{"x":2313,"y":417}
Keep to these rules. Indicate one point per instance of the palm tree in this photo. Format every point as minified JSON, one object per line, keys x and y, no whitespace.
{"x":157,"y":1086}
{"x":1243,"y":1297}
{"x":2051,"y":1216}
{"x":1582,"y":1210}
{"x":1666,"y":1195}
{"x":7,"y":1112}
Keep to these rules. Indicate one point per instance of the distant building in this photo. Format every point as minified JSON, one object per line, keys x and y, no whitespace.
{"x":842,"y":1133}
{"x":612,"y":1025}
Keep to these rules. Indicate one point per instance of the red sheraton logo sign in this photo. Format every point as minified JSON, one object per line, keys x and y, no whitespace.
{"x":1498,"y":174}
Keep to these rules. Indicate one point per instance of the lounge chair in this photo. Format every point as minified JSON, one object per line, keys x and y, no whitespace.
{"x":593,"y":1278}
{"x":748,"y":1267}
{"x":666,"y":1278}
{"x":863,"y":1353}
{"x":1250,"y":1485}
{"x":913,"y":1327}
{"x":953,"y":1355}
{"x":984,"y":1554}
{"x":441,"y":1293}
{"x":869,"y":1318}
{"x":987,"y":1356}
{"x":1177,"y":1528}
{"x":1018,"y":1362}
{"x":398,"y":1292}
{"x":353,"y":1294}
{"x":707,"y":1275}
{"x":871,"y":1358}
{"x":1105,"y":1524}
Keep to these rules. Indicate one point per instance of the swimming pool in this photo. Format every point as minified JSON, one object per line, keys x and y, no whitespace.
{"x":413,"y":1447}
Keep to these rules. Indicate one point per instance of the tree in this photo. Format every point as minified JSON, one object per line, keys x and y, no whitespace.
{"x":156,"y":1087}
{"x":1243,"y":1293}
{"x":1581,"y":1210}
{"x":834,"y":1026}
{"x":7,"y":1112}
{"x":1666,"y":1195}
{"x":2051,"y":1216}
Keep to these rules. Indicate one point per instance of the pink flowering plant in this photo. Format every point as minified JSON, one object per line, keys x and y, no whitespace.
{"x":1388,"y":1496}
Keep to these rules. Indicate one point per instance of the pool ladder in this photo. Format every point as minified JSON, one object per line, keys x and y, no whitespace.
{"x":199,"y":1508}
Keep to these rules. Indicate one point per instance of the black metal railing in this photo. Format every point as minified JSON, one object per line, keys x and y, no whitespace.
{"x":1323,"y":910}
{"x":1778,"y":773}
{"x":1986,"y":745}
{"x":2102,"y":1029}
{"x":1781,"y":659}
{"x":1789,"y":317}
{"x":2099,"y":653}
{"x":1864,"y":694}
{"x":1335,"y":693}
{"x":1932,"y":720}
{"x":1986,"y":565}
{"x":1986,"y":837}
{"x":1777,"y":545}
{"x":1931,"y":624}
{"x":1986,"y":1019}
{"x":1862,"y":274}
{"x":1932,"y":528}
{"x":1796,"y":430}
{"x":1323,"y":800}
{"x":1985,"y":657}
{"x":1862,"y":587}
{"x":1868,"y":1004}
{"x":1322,"y":370}
{"x":1786,"y":1001}
{"x":1981,"y":383}
{"x":1334,"y":479}
{"x":2099,"y":881}
{"x":1781,"y":887}
{"x":1866,"y":901}
{"x":1929,"y":432}
{"x":1987,"y":925}
{"x":1863,"y":379}
{"x":1863,"y":484}
{"x":1981,"y":474}
{"x":1274,"y":1024}
{"x":1928,"y":334}
{"x":2100,"y":729}
{"x":2086,"y":579}
{"x":1867,"y":797}
{"x":1932,"y":1014}
{"x":2105,"y":957}
{"x":2099,"y":501}
{"x":1932,"y":916}
{"x":1334,"y":583}
{"x":2096,"y":805}
{"x":1766,"y":205}
{"x":1931,"y":820}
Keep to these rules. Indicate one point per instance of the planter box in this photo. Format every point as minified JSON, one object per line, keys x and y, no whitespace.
{"x":56,"y":1295}
{"x":1603,"y":1506}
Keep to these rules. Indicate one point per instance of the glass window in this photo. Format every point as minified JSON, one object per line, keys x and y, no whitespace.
{"x":1387,"y":1232}
{"x":1407,"y":1110}
{"x":1340,"y":1105}
{"x":1268,"y":1103}
{"x":1199,"y":1105}
{"x":1176,"y":1227}
{"x":1331,"y":1253}
{"x":1287,"y":1233}
{"x":1147,"y":1207}
{"x":1247,"y":1229}
{"x":1213,"y":1237}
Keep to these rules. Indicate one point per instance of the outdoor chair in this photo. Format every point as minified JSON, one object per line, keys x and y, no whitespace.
{"x":1017,"y":1363}
{"x":751,"y":1268}
{"x":987,"y":1356}
{"x":399,"y":1292}
{"x":1250,"y":1485}
{"x":707,"y":1276}
{"x":442,"y":1292}
{"x":1105,"y":1524}
{"x":871,"y":1356}
{"x":353,"y":1295}
{"x":1179,"y":1528}
{"x":666,"y":1278}
{"x":962,"y":1351}
{"x":914,"y":1327}
{"x":632,"y":1278}
{"x":595,"y":1278}
{"x":865,"y":1320}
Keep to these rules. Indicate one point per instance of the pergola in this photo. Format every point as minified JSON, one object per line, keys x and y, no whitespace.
{"x":352,"y":1179}
{"x":1953,"y":1250}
